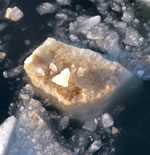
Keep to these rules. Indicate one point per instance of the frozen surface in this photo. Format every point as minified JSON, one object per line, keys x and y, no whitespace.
{"x":7,"y":134}
{"x":34,"y":134}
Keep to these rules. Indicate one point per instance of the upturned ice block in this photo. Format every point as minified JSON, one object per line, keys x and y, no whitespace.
{"x":74,"y":79}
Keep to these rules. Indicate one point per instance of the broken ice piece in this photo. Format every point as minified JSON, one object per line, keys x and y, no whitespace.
{"x":95,"y":146}
{"x":79,"y":76}
{"x":46,"y":8}
{"x":7,"y":134}
{"x":107,"y":120}
{"x":13,"y":14}
{"x":90,"y":125}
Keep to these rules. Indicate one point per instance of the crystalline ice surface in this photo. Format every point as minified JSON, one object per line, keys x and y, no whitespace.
{"x":73,"y":75}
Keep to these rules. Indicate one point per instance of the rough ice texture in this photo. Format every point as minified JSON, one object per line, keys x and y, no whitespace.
{"x":133,"y":38}
{"x":82,"y":77}
{"x":14,"y":14}
{"x":92,"y":29}
{"x":7,"y":134}
{"x":34,"y":134}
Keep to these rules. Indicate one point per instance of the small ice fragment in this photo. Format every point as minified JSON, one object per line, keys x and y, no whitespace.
{"x":115,"y":131}
{"x":63,"y":2}
{"x":64,"y":122}
{"x":13,"y":72}
{"x":133,"y":38}
{"x":53,"y":67}
{"x":46,"y":8}
{"x":62,"y":79}
{"x":95,"y":146}
{"x":140,"y":73}
{"x":90,"y":125}
{"x":107,"y":120}
{"x":13,"y":14}
{"x":128,"y":16}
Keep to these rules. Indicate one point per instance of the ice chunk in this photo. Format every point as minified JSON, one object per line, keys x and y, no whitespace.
{"x":95,"y":146}
{"x":128,"y":15}
{"x":90,"y":125}
{"x":111,"y":43}
{"x":133,"y":38}
{"x":103,"y":37}
{"x":7,"y":134}
{"x":13,"y":72}
{"x":46,"y":8}
{"x":64,"y":122}
{"x":83,"y":76}
{"x":73,"y":37}
{"x":84,"y":23}
{"x":116,"y":7}
{"x":107,"y":120}
{"x":14,"y":14}
{"x":80,"y":139}
{"x":63,"y":2}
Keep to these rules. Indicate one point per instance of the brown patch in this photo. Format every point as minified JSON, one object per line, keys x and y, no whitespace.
{"x":69,"y":92}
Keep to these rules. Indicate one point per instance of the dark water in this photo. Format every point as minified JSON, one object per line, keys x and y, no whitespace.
{"x":134,"y":120}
